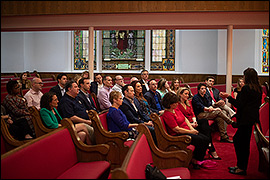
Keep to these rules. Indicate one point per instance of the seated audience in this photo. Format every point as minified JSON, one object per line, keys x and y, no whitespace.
{"x":84,"y":97}
{"x":36,"y":74}
{"x":51,"y":118}
{"x":70,"y":107}
{"x":116,"y":119}
{"x":203,"y":109}
{"x":16,"y":106}
{"x":240,"y":84}
{"x":131,"y":108}
{"x":177,"y":124}
{"x":25,"y":83}
{"x":163,"y":87}
{"x":137,"y":86}
{"x":213,"y":94}
{"x":34,"y":95}
{"x":134,"y":78}
{"x":97,"y":84}
{"x":202,"y":125}
{"x":77,"y":78}
{"x":85,"y":74}
{"x":175,"y":85}
{"x":104,"y":93}
{"x":119,"y":83}
{"x":59,"y":89}
{"x":144,"y":80}
{"x":154,"y":98}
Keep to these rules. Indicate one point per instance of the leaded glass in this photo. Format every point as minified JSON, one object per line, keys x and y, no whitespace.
{"x":124,"y":47}
{"x":265,"y":51}
{"x":163,"y":47}
{"x":81,"y":51}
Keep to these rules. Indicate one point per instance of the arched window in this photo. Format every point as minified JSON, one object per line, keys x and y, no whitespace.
{"x":81,"y":50}
{"x":265,"y":51}
{"x":163,"y":50}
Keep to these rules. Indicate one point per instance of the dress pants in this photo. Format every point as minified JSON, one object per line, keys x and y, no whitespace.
{"x":219,"y":117}
{"x":227,"y":109}
{"x":241,"y":141}
{"x":91,"y":133}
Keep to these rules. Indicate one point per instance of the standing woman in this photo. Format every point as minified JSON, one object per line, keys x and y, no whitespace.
{"x":51,"y":118}
{"x":247,"y":103}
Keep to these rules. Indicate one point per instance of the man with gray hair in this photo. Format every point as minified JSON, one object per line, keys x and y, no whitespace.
{"x":34,"y":95}
{"x":119,"y":83}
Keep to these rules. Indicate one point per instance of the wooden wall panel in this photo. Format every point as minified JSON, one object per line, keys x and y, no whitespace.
{"x":11,"y":8}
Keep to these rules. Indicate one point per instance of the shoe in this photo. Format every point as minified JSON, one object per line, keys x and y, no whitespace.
{"x":217,"y":158}
{"x":226,"y":140}
{"x":233,"y":171}
{"x":232,"y":168}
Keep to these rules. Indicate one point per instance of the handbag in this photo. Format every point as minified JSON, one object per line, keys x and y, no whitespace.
{"x":153,"y":172}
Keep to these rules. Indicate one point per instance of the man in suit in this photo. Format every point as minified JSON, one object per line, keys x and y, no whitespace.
{"x":97,"y":84}
{"x":132,"y":109}
{"x":213,"y":94}
{"x":59,"y":89}
{"x":154,"y":98}
{"x":144,"y":81}
{"x":84,"y":97}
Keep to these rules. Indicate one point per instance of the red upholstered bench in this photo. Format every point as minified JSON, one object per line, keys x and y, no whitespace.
{"x":119,"y":145}
{"x":49,"y":83}
{"x":142,"y":152}
{"x":57,"y":154}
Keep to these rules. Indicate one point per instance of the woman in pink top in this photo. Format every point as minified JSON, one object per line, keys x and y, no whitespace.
{"x":177,"y":124}
{"x":202,"y":125}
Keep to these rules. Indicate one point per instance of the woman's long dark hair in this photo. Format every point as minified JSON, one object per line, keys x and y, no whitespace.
{"x":46,"y":99}
{"x":252,"y":80}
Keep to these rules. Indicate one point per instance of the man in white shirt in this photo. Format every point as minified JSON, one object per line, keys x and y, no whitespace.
{"x":104,"y":93}
{"x":119,"y":83}
{"x":144,"y":81}
{"x":34,"y":95}
{"x":59,"y":89}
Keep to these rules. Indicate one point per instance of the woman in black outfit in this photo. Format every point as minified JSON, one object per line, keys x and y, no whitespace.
{"x":248,"y":102}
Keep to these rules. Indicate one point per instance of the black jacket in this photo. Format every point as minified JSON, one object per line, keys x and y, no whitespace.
{"x":57,"y":91}
{"x":150,"y":97}
{"x":81,"y":96}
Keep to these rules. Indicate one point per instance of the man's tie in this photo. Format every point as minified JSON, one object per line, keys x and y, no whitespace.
{"x":212,"y":95}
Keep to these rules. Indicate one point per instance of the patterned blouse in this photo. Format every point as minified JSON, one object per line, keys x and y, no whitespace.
{"x":16,"y":107}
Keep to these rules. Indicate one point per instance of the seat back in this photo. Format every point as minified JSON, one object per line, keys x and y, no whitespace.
{"x":163,"y":124}
{"x":103,"y":120}
{"x":264,"y":118}
{"x":45,"y":158}
{"x":3,"y":148}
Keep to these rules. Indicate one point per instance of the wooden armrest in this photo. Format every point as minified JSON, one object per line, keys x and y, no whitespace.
{"x":98,"y":152}
{"x":263,"y":138}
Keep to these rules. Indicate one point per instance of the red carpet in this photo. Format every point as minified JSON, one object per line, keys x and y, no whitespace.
{"x":228,"y":158}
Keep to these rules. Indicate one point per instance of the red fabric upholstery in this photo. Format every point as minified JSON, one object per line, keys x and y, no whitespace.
{"x":128,"y":143}
{"x":103,"y":120}
{"x":49,"y":83}
{"x":264,"y":118}
{"x":3,"y":149}
{"x":3,"y":95}
{"x":140,"y":157}
{"x":46,"y":89}
{"x":194,"y":90}
{"x":180,"y":171}
{"x":86,"y":170}
{"x":47,"y":158}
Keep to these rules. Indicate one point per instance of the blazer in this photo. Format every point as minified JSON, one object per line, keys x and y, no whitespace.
{"x":94,"y":87}
{"x":49,"y":119}
{"x":81,"y":96}
{"x":144,"y":90}
{"x":215,"y":93}
{"x":248,"y":103}
{"x":57,"y":91}
{"x":133,"y":117}
{"x":149,"y":96}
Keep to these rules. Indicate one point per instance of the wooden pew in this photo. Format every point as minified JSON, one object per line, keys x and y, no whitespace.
{"x":117,"y":141}
{"x":144,"y":151}
{"x":59,"y":154}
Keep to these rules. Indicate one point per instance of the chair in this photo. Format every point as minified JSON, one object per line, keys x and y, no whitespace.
{"x":167,"y":142}
{"x":39,"y":127}
{"x":7,"y":140}
{"x":261,"y":133}
{"x":117,"y":141}
{"x":144,"y":151}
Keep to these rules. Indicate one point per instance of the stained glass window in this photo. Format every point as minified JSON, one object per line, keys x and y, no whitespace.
{"x":81,"y":50}
{"x":163,"y":50}
{"x":265,"y":51}
{"x":123,"y":49}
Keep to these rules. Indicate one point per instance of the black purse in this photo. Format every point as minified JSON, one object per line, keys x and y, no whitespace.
{"x":153,"y":172}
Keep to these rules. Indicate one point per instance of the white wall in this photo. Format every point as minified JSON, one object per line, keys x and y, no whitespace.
{"x":197,"y":51}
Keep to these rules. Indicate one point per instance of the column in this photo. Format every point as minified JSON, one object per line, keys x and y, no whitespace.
{"x":91,"y":53}
{"x":229,"y":59}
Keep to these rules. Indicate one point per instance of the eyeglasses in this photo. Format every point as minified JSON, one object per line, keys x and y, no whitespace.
{"x":40,"y":83}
